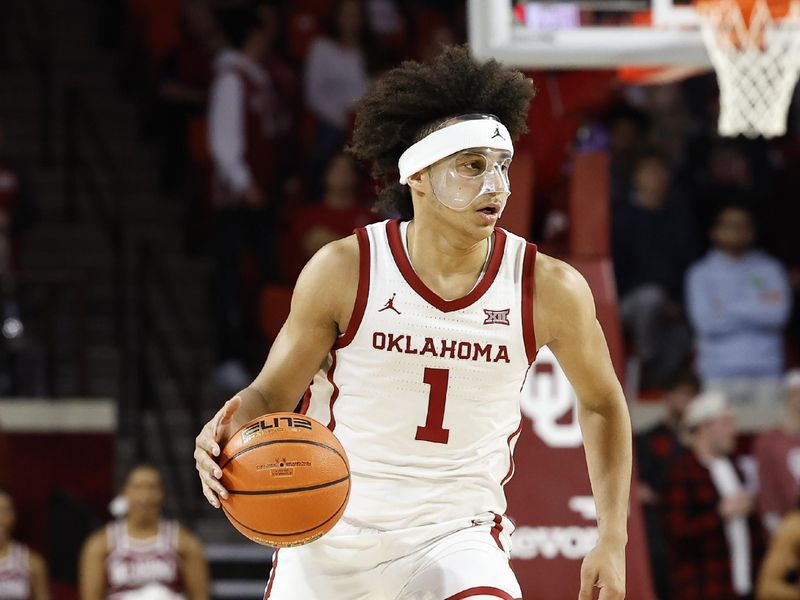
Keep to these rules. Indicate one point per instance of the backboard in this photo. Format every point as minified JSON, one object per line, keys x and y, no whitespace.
{"x":572,"y":34}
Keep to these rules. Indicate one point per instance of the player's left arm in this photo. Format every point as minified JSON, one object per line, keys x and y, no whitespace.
{"x":566,"y":321}
{"x":40,"y":585}
{"x":194,"y":567}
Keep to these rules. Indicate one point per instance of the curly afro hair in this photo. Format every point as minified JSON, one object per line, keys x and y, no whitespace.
{"x":415,"y":99}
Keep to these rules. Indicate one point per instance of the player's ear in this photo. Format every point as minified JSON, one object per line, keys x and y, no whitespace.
{"x":417,"y":181}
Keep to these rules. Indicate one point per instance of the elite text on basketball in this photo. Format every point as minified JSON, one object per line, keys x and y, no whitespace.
{"x":271,"y":423}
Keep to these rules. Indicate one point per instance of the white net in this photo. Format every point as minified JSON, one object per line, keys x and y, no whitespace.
{"x":757,"y":65}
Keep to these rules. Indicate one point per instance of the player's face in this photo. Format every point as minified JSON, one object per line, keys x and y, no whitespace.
{"x":7,"y":516}
{"x":472,"y":180}
{"x":144,"y":493}
{"x":466,"y":191}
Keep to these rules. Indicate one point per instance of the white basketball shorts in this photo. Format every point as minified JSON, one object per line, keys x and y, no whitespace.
{"x":465,"y":558}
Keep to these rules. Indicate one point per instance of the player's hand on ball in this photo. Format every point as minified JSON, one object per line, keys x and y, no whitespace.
{"x":207,"y":446}
{"x":604,"y":568}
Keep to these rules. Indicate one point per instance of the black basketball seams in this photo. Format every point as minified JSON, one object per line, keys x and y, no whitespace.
{"x":336,"y":512}
{"x":288,"y":490}
{"x":283,"y":441}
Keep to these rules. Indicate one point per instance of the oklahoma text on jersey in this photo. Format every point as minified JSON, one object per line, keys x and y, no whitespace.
{"x":407,"y":344}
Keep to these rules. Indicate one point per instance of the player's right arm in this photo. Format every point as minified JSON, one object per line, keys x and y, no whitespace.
{"x":322,"y":303}
{"x":783,"y":558}
{"x":92,"y":567}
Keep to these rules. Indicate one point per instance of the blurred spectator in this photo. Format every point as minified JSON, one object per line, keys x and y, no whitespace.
{"x":287,"y":99}
{"x":337,"y":73}
{"x":779,"y":573}
{"x":141,"y":551}
{"x":243,"y":129}
{"x":23,"y":573}
{"x":656,"y":449}
{"x":21,"y":357}
{"x":712,"y":538}
{"x":438,"y":38}
{"x":627,"y":129}
{"x":777,"y":453}
{"x":385,"y":20}
{"x":184,"y":80}
{"x":738,"y":302}
{"x":652,"y":246}
{"x":18,"y":208}
{"x":341,"y":210}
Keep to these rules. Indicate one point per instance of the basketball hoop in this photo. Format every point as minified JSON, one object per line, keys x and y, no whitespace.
{"x":754,"y":46}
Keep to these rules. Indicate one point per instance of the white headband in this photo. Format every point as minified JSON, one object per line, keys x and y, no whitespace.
{"x":477,"y":133}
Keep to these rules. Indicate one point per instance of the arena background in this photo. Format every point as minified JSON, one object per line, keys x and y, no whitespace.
{"x":108,"y":249}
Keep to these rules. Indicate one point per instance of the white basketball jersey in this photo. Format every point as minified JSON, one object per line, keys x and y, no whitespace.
{"x":15,"y":574}
{"x":424,"y":393}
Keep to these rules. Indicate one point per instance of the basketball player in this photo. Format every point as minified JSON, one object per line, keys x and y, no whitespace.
{"x":143,"y":555}
{"x":23,"y":573}
{"x":417,"y":335}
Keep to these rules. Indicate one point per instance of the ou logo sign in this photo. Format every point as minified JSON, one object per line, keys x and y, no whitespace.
{"x":550,"y":402}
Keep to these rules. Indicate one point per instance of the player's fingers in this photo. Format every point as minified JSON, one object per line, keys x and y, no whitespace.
{"x":587,"y":584}
{"x":210,"y":496}
{"x":214,"y":484}
{"x":205,"y":441}
{"x":206,"y":464}
{"x":226,"y":414}
{"x":612,"y":592}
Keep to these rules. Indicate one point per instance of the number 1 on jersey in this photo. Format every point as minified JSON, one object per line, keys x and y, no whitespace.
{"x":433,"y":430}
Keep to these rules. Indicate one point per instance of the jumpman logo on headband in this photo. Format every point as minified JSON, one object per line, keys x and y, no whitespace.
{"x":497,"y":133}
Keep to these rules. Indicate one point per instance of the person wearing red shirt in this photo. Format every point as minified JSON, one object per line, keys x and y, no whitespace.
{"x":777,"y":453}
{"x":337,"y":215}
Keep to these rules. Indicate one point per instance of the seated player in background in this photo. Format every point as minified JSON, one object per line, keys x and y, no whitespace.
{"x":417,"y":335}
{"x":143,"y":555}
{"x":780,"y":570}
{"x":23,"y":573}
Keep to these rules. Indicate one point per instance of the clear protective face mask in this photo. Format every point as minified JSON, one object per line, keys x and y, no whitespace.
{"x":461,"y":179}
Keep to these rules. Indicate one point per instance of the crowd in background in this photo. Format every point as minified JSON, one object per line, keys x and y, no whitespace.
{"x":250,"y":106}
{"x":706,"y":267}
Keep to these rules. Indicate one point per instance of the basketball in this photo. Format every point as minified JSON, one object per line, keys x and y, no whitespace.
{"x":288,"y":479}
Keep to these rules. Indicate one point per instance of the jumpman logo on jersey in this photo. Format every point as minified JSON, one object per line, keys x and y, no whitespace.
{"x":497,"y":133}
{"x":390,"y":305}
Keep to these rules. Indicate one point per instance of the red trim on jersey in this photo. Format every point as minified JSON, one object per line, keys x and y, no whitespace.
{"x":510,"y":473}
{"x":362,"y":293}
{"x":485,"y":591}
{"x":335,"y":394}
{"x":528,"y":288}
{"x":272,"y":574}
{"x":431,"y":297}
{"x":496,"y":529}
